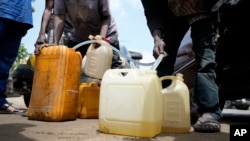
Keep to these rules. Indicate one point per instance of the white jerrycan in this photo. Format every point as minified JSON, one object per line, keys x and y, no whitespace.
{"x":98,"y":59}
{"x":176,"y":105}
{"x":130,"y":103}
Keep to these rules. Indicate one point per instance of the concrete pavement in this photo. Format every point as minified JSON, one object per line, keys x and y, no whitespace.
{"x":14,"y":127}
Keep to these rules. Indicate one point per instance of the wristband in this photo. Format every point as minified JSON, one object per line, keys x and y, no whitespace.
{"x":107,"y":40}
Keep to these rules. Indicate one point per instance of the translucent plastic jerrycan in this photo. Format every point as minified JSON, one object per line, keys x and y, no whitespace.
{"x":176,"y":105}
{"x":98,"y":59}
{"x":130,"y":103}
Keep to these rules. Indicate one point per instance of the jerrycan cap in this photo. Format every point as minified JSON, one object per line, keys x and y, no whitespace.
{"x":179,"y":76}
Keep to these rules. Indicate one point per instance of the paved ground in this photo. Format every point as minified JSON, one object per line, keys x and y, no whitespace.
{"x":14,"y":127}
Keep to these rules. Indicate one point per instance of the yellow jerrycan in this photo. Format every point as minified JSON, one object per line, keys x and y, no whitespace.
{"x":55,"y":88}
{"x":98,"y":59}
{"x":88,"y":100}
{"x":31,"y":61}
{"x":130,"y":103}
{"x":176,"y":105}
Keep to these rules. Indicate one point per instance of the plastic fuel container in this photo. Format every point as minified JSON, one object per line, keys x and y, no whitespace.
{"x":55,"y":88}
{"x":98,"y":59}
{"x":176,"y":105}
{"x":130,"y":103}
{"x":88,"y":101}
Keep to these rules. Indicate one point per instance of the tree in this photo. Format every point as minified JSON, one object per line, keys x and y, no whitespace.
{"x":21,"y":57}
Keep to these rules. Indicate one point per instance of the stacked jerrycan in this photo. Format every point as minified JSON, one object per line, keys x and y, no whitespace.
{"x":98,"y":59}
{"x":176,"y":105}
{"x":55,"y":88}
{"x":132,"y":102}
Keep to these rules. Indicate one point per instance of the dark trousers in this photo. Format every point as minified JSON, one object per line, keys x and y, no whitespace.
{"x":202,"y":34}
{"x":11,"y":34}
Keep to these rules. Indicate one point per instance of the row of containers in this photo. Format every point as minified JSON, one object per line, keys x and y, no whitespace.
{"x":128,"y":102}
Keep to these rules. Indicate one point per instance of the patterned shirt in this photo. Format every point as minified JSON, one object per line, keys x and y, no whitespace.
{"x":193,"y":9}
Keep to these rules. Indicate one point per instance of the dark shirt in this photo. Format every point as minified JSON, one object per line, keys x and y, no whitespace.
{"x":85,"y":17}
{"x":67,"y":27}
{"x":158,"y":11}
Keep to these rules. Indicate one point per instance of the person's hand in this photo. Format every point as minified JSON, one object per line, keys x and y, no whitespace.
{"x":38,"y":48}
{"x":40,"y":43}
{"x":40,"y":40}
{"x":217,"y":39}
{"x":159,"y":46}
{"x":99,"y":38}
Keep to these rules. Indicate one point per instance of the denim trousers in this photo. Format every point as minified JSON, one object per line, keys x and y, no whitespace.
{"x":11,"y":34}
{"x":202,"y":34}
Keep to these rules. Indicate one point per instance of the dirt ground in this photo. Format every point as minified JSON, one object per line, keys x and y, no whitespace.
{"x":14,"y":127}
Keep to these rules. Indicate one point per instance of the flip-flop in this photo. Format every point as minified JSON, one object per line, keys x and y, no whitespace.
{"x":207,"y":124}
{"x":9,"y":109}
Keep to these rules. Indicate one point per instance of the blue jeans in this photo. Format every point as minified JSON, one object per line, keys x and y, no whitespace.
{"x":202,"y":34}
{"x":11,"y":34}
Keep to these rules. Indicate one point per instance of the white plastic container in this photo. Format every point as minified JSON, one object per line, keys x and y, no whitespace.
{"x":98,"y":59}
{"x":130,"y":103}
{"x":176,"y":105}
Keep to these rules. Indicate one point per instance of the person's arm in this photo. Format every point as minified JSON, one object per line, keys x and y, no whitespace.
{"x":44,"y":22}
{"x":59,"y":21}
{"x":104,"y":26}
{"x":153,"y":11}
{"x":41,"y":40}
{"x":105,"y":14}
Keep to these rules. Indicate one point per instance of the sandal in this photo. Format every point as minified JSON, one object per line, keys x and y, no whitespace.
{"x":207,"y":124}
{"x":8,"y":109}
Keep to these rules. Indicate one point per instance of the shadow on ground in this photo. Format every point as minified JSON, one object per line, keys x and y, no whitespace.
{"x":13,"y":132}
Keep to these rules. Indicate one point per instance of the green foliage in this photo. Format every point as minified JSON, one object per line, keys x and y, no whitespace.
{"x":22,"y":55}
{"x":33,"y":9}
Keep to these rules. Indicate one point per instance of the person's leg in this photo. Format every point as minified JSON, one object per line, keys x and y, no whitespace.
{"x":206,"y":89}
{"x":176,"y":30}
{"x":116,"y":60}
{"x":10,"y":38}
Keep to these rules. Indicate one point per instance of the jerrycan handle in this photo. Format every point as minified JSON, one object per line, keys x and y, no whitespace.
{"x":167,"y":78}
{"x":179,"y":76}
{"x":172,"y":78}
{"x":153,"y":64}
{"x":94,"y":84}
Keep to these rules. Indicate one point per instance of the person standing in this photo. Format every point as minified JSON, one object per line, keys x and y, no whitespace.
{"x":47,"y":25}
{"x":168,"y":22}
{"x":87,"y":18}
{"x":15,"y":20}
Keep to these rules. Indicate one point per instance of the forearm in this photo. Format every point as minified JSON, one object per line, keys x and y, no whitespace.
{"x":104,"y":26}
{"x":46,"y":15}
{"x":157,"y":34}
{"x":45,"y":21}
{"x":59,"y":21}
{"x":154,"y":12}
